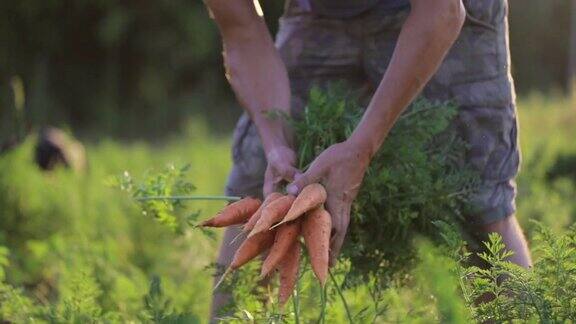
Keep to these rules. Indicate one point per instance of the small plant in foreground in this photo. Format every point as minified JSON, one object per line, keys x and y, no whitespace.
{"x":157,"y":307}
{"x":170,"y":182}
{"x":546,"y":293}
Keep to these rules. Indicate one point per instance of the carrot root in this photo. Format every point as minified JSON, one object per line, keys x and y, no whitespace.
{"x":289,"y":274}
{"x":272,"y":214}
{"x":234,"y":214}
{"x":236,"y":238}
{"x":285,"y":238}
{"x":221,"y":280}
{"x":316,"y":228}
{"x":251,"y":248}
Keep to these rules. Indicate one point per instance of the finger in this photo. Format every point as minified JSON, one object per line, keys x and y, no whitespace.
{"x":269,"y":185}
{"x":340,"y":211}
{"x":313,"y":175}
{"x":278,"y":184}
{"x":287,"y":171}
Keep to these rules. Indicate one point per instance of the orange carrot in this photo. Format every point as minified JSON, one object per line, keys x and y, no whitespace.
{"x":289,"y":273}
{"x":286,"y":235}
{"x":254,"y":218}
{"x":312,"y":196}
{"x":272,"y":214}
{"x":251,"y":248}
{"x":235,"y":213}
{"x":316,"y":228}
{"x":248,"y":250}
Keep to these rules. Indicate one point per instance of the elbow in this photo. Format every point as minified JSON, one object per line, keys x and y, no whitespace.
{"x":454,"y":17}
{"x":445,"y":17}
{"x":449,"y":18}
{"x":459,"y":15}
{"x":235,"y":20}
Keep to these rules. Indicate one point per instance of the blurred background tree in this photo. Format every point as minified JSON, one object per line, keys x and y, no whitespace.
{"x":141,"y":69}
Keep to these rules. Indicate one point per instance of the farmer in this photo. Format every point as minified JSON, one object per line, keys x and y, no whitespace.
{"x":394,"y":50}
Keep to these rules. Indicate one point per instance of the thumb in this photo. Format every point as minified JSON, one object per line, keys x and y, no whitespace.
{"x":313,"y":175}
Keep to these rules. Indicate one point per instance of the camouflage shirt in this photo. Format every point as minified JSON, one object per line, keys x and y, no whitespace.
{"x":349,"y":8}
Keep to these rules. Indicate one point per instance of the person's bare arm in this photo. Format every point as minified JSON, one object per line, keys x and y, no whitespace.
{"x":426,"y":36}
{"x":259,"y":79}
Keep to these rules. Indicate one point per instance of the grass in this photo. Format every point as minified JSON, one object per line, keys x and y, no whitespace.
{"x":547,"y":134}
{"x":69,"y":232}
{"x":54,"y":223}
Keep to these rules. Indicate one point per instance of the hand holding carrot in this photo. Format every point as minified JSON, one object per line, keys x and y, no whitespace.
{"x":281,"y":160}
{"x":340,"y":168}
{"x":276,"y":225}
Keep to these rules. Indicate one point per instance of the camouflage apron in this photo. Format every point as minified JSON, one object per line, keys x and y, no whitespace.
{"x":475,"y":74}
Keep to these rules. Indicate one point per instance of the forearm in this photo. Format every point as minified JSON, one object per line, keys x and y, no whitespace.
{"x":427,"y":35}
{"x":253,"y":67}
{"x":259,"y":79}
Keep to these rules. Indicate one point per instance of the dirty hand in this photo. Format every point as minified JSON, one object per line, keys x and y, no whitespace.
{"x":340,"y":168}
{"x":281,"y":160}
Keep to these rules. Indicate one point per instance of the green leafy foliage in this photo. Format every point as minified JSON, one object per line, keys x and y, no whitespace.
{"x":15,"y":306}
{"x":169,"y":182}
{"x":70,"y":237}
{"x":413,"y":180}
{"x":545,"y":294}
{"x":80,"y":302}
{"x":158,"y":308}
{"x":405,"y":260}
{"x":63,"y":228}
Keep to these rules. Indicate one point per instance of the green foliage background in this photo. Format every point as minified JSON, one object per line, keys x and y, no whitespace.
{"x":65,"y":229}
{"x":76,"y":248}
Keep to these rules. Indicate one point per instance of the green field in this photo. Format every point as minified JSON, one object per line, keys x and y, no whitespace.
{"x":78,"y":249}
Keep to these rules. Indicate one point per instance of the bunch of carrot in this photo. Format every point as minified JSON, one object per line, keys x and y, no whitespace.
{"x":274,"y":226}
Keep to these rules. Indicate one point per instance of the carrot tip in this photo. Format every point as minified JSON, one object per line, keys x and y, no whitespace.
{"x":224,"y":275}
{"x":252,"y":233}
{"x":274,"y":226}
{"x":265,"y":274}
{"x":235,"y":238}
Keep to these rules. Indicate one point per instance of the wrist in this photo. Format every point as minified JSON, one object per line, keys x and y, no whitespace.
{"x":362,"y":145}
{"x":270,"y":143}
{"x":274,"y":134}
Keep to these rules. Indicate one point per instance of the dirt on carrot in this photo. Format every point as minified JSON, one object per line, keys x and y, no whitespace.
{"x":316,"y":228}
{"x":251,"y":248}
{"x":289,"y":273}
{"x":286,"y":235}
